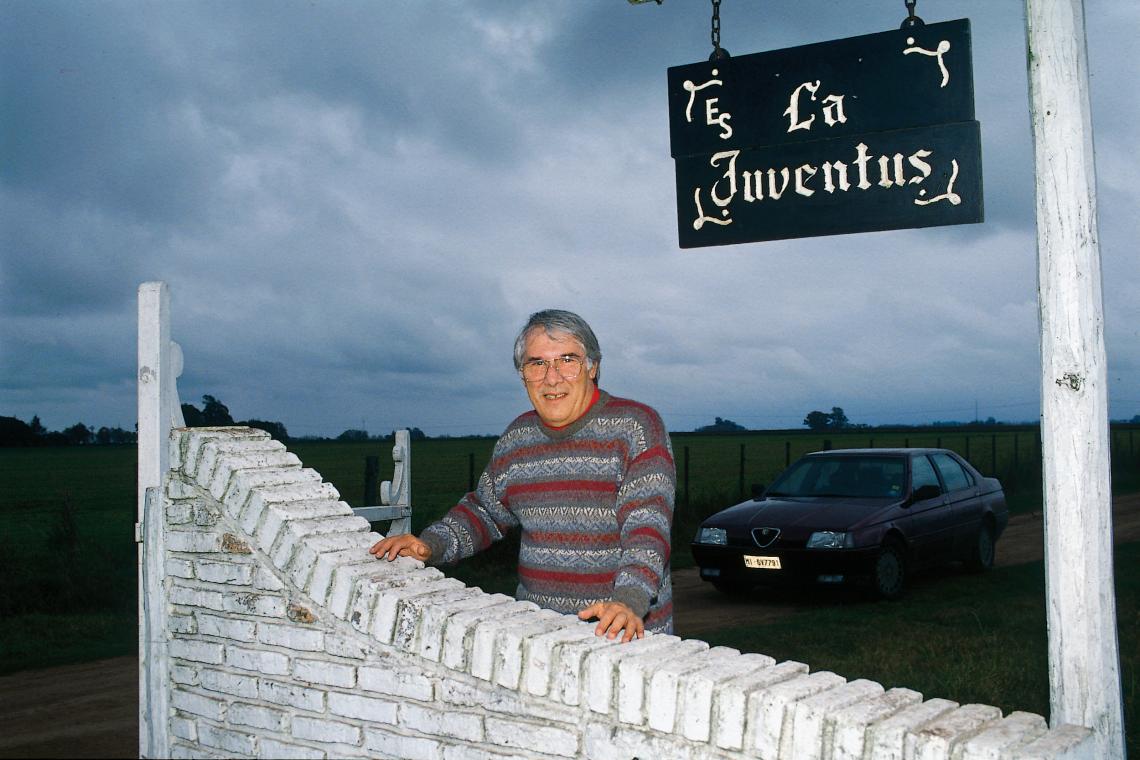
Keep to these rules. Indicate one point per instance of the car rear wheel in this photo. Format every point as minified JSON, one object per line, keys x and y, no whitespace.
{"x":889,"y":577}
{"x":982,"y":552}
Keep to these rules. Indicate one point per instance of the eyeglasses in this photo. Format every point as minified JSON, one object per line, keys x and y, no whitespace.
{"x":568,"y":366}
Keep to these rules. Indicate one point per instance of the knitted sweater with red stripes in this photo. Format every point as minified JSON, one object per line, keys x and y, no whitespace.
{"x":594,"y":502}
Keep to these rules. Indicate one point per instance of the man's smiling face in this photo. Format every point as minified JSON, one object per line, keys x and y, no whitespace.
{"x":557,"y":400}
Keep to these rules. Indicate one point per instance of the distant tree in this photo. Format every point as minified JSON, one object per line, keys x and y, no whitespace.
{"x":721,"y":426}
{"x":817,"y":420}
{"x":823,"y":421}
{"x":36,"y":426}
{"x":193,"y":416}
{"x":416,"y":434}
{"x":15,"y":432}
{"x":1136,"y":419}
{"x":215,"y":412}
{"x":114,"y":435}
{"x":275,"y":429}
{"x":353,"y":435}
{"x":79,"y":434}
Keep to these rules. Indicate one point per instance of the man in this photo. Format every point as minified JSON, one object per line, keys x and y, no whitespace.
{"x":589,"y":478}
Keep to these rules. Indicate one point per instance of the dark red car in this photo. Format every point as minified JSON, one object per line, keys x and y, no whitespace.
{"x":856,"y":515}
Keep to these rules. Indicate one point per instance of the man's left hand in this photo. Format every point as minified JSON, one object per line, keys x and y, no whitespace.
{"x":614,"y":619}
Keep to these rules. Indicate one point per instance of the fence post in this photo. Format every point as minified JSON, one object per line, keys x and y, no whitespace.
{"x":159,"y":365}
{"x":470,"y":471}
{"x":371,"y":476}
{"x":1084,"y":657}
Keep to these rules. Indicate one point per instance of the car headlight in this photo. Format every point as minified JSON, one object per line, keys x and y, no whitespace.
{"x":830,"y":539}
{"x":712,"y":536}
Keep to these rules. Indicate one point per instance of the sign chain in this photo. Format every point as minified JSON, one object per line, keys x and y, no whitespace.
{"x":911,"y":21}
{"x":718,"y":52}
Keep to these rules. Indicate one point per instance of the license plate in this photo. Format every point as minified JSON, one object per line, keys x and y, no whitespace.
{"x":762,"y":563}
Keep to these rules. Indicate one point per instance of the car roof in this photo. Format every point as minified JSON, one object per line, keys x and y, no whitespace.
{"x":898,"y":451}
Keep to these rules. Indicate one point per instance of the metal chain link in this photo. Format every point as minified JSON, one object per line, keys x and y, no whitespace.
{"x":718,"y":52}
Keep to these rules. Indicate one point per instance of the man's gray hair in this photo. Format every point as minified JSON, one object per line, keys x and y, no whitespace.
{"x":556,"y":323}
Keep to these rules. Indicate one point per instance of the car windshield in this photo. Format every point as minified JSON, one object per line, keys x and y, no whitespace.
{"x":867,"y":477}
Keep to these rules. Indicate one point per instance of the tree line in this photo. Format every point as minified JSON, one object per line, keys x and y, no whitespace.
{"x":16,"y":432}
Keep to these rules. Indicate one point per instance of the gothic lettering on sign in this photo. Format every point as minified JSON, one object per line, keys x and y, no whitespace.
{"x":776,"y":145}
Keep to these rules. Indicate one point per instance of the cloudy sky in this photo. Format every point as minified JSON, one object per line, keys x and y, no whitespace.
{"x":357,"y":204}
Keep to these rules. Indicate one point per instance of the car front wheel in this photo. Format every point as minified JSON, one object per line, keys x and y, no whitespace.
{"x":889,"y":578}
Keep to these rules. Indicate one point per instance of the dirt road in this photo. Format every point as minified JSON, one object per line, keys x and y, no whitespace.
{"x":91,"y":710}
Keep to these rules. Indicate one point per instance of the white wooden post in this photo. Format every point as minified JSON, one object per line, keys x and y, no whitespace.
{"x":160,"y":364}
{"x":1084,"y":665}
{"x":398,"y":491}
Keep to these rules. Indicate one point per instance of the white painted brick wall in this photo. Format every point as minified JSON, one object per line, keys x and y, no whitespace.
{"x":286,"y":639}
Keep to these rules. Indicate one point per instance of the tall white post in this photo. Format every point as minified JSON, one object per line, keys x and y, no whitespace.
{"x":1084,"y":665}
{"x":159,"y":365}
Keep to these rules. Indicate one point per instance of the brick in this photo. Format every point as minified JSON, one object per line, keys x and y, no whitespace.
{"x":539,"y":651}
{"x":300,"y":564}
{"x":225,"y":465}
{"x":227,"y":628}
{"x":184,"y":728}
{"x":179,"y":514}
{"x":320,"y":730}
{"x":510,"y":733}
{"x":635,"y":673}
{"x":936,"y":739}
{"x":265,"y":605}
{"x":195,"y":439}
{"x":179,"y":568}
{"x":184,"y":675}
{"x":887,"y":738}
{"x":485,"y":637}
{"x":275,"y":516}
{"x":318,"y":584}
{"x":730,"y":699}
{"x":234,"y":490}
{"x":291,"y":695}
{"x":348,"y":646}
{"x":601,"y":666}
{"x":412,"y":684}
{"x":197,"y":704}
{"x":228,"y":683}
{"x":271,"y":748}
{"x":567,"y":673}
{"x":811,"y":730}
{"x":390,"y":592}
{"x":602,"y":741}
{"x":239,"y":574}
{"x":433,"y":618}
{"x":326,"y":673}
{"x":411,"y":612}
{"x":257,"y":716}
{"x":458,"y":631}
{"x":193,"y":541}
{"x":233,"y":742}
{"x":192,"y":596}
{"x":289,"y":533}
{"x":1065,"y":742}
{"x":362,"y":707}
{"x":291,"y":637}
{"x":266,"y":581}
{"x":992,"y":742}
{"x":202,"y":462}
{"x":179,"y":623}
{"x":479,"y":696}
{"x":205,"y":516}
{"x":770,"y":712}
{"x":452,"y":724}
{"x":196,"y":651}
{"x":402,"y":747}
{"x":509,"y":646}
{"x":850,"y":724}
{"x":266,"y":496}
{"x":258,"y":661}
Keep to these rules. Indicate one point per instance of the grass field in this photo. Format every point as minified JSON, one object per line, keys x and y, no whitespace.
{"x":67,"y":557}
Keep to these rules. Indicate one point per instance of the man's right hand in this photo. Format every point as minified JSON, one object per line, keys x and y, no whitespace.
{"x":403,"y":545}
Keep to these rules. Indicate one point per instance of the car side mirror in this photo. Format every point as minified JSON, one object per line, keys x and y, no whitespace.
{"x":757,"y":491}
{"x":922,"y":493}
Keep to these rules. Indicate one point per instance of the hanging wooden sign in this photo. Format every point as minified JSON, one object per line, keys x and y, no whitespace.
{"x":867,"y":133}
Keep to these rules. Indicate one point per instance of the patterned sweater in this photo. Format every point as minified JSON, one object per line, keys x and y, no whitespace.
{"x":595,"y":504}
